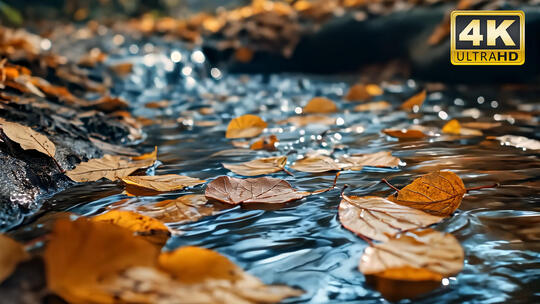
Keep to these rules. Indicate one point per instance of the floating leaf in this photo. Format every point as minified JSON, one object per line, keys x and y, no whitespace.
{"x":405,"y":134}
{"x":378,"y":159}
{"x":302,"y":121}
{"x":316,"y":164}
{"x":190,"y":207}
{"x":236,"y":191}
{"x":320,"y":105}
{"x":162,"y":183}
{"x":416,"y":100}
{"x":481,"y":125}
{"x":28,"y":138}
{"x":151,"y":155}
{"x":265,"y":143}
{"x":373,"y":106}
{"x":258,"y":166}
{"x":11,"y":254}
{"x":80,"y":254}
{"x":438,"y":193}
{"x":109,"y":167}
{"x":151,"y":229}
{"x":360,"y":92}
{"x":378,"y":218}
{"x":453,"y":127}
{"x":518,"y":142}
{"x":245,"y":126}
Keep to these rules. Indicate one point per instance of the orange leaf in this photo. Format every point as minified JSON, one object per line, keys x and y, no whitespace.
{"x":11,"y":254}
{"x":245,"y":126}
{"x":265,"y":143}
{"x":416,"y":100}
{"x":405,"y":134}
{"x":320,"y":105}
{"x":453,"y":127}
{"x":360,"y":92}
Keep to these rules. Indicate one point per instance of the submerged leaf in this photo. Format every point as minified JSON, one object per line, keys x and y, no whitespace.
{"x":109,"y":167}
{"x":438,"y":193}
{"x":378,"y":159}
{"x":11,"y":254}
{"x":245,"y":126}
{"x":162,"y":183}
{"x":316,"y":164}
{"x":258,"y":166}
{"x":28,"y":138}
{"x":264,"y":190}
{"x":189,"y":207}
{"x":415,"y":100}
{"x":320,"y":105}
{"x":379,"y":219}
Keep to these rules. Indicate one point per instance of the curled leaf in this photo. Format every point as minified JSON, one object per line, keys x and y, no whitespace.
{"x":264,"y":190}
{"x":320,"y":105}
{"x":162,"y":183}
{"x":415,"y":101}
{"x":245,"y":126}
{"x":109,"y":167}
{"x":316,"y":164}
{"x":11,"y":254}
{"x":439,"y":193}
{"x":258,"y":166}
{"x":379,"y":219}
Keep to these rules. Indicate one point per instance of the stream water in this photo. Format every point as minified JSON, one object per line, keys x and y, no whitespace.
{"x":303,"y":244}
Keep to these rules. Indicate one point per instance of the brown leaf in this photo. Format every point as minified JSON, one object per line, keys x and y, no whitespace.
{"x":258,"y":166}
{"x":110,"y":104}
{"x":190,"y":207}
{"x":379,"y":219}
{"x":453,"y":127}
{"x":109,"y":167}
{"x":302,"y":121}
{"x":481,"y":125}
{"x":378,"y":159}
{"x":320,"y":105}
{"x":428,"y":255}
{"x":416,"y":100}
{"x":93,"y":250}
{"x":151,"y":229}
{"x":122,"y":69}
{"x":405,"y":134}
{"x":245,"y":126}
{"x":243,"y":54}
{"x":360,"y":92}
{"x":438,"y":193}
{"x":28,"y":138}
{"x":373,"y":106}
{"x":162,"y":183}
{"x":316,"y":164}
{"x":11,"y":254}
{"x":236,"y":191}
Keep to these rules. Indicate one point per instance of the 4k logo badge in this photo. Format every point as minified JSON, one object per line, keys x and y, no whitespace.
{"x":487,"y":37}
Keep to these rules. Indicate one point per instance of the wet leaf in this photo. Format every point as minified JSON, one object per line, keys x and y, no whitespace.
{"x":28,"y":138}
{"x":320,"y":105}
{"x":302,"y":121}
{"x":438,"y":193}
{"x":518,"y":142}
{"x":378,"y":159}
{"x":360,"y":92}
{"x":258,"y":166}
{"x":11,"y":254}
{"x":405,"y":134}
{"x":416,"y":100}
{"x":80,"y":254}
{"x":379,"y":219}
{"x":373,"y":106}
{"x":186,"y":208}
{"x":264,"y":190}
{"x":151,"y":229}
{"x":316,"y":164}
{"x":454,"y":127}
{"x":267,"y":143}
{"x":245,"y":126}
{"x":109,"y":167}
{"x":162,"y":183}
{"x":481,"y":125}
{"x":427,"y":255}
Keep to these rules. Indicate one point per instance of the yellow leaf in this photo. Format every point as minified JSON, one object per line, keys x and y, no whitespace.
{"x":320,"y":105}
{"x":258,"y":166}
{"x":162,"y":183}
{"x":453,"y":127}
{"x":153,"y":230}
{"x":28,"y":138}
{"x":416,"y":100}
{"x":11,"y":254}
{"x":245,"y":126}
{"x":109,"y":167}
{"x":439,"y":193}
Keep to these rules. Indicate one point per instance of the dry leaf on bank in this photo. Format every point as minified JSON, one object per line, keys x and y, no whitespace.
{"x":373,"y":106}
{"x":162,"y":183}
{"x":316,"y":164}
{"x":109,"y":167}
{"x":360,"y":92}
{"x":378,"y":218}
{"x":28,"y":138}
{"x":245,"y":126}
{"x":11,"y":254}
{"x":438,"y":193}
{"x":428,"y":255}
{"x":320,"y":105}
{"x":264,"y":190}
{"x":301,"y":121}
{"x":415,"y":100}
{"x":80,"y":254}
{"x":258,"y":166}
{"x":151,"y":229}
{"x":378,"y":159}
{"x":405,"y":134}
{"x":454,"y":127}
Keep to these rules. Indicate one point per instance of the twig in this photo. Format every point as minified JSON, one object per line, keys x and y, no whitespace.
{"x":389,"y":185}
{"x":483,"y":187}
{"x":287,"y":171}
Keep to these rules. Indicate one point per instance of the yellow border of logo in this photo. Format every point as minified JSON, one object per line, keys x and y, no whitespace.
{"x":453,"y":50}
